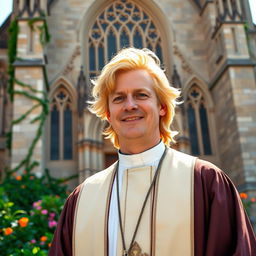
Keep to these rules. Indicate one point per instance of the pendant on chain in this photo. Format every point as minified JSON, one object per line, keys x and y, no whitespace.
{"x":136,"y":251}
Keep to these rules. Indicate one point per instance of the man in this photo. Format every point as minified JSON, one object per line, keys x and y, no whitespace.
{"x":154,"y":200}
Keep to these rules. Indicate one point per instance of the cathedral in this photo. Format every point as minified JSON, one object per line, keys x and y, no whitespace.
{"x":57,"y":47}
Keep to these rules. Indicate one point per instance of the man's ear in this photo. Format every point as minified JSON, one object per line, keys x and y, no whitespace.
{"x":163,"y":110}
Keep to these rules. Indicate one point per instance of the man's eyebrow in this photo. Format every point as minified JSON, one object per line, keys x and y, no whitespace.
{"x":117,"y":93}
{"x":142,"y":90}
{"x":134,"y":91}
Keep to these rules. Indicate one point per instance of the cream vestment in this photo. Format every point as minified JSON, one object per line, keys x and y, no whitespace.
{"x":167,"y":223}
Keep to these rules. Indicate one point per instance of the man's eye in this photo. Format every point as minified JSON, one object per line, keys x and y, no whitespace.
{"x":142,"y":95}
{"x":118,"y":99}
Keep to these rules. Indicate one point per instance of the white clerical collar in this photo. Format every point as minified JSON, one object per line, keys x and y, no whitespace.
{"x":142,"y":159}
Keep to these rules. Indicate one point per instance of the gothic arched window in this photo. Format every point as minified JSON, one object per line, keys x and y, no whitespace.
{"x":198,"y":123}
{"x":121,"y":24}
{"x":61,"y":145}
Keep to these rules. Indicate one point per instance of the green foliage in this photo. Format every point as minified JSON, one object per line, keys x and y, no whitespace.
{"x":44,"y":31}
{"x":29,"y":210}
{"x":26,"y":189}
{"x":44,"y":35}
{"x":12,"y":50}
{"x":248,"y":203}
{"x":246,"y":26}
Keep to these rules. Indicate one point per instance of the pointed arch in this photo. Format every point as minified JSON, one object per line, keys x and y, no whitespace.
{"x":62,"y":81}
{"x":147,"y":19}
{"x":113,"y":28}
{"x":199,"y":112}
{"x":61,"y":122}
{"x":203,"y":86}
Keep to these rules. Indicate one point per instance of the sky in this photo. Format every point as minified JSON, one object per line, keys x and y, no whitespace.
{"x":6,"y":8}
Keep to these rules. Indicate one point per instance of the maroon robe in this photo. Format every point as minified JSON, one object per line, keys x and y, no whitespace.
{"x":222,"y":227}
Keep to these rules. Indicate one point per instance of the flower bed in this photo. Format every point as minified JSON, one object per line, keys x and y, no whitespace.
{"x":29,"y":210}
{"x":249,"y":205}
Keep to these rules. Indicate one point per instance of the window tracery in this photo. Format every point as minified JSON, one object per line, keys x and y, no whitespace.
{"x":197,"y":113}
{"x":123,"y":23}
{"x":61,"y":145}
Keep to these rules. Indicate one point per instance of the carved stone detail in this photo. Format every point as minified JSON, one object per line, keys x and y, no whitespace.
{"x":70,"y":65}
{"x":185,"y":65}
{"x":31,"y":8}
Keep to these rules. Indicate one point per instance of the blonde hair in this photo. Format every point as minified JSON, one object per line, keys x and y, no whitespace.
{"x":133,"y":59}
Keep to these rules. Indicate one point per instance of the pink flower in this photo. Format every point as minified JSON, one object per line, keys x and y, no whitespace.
{"x":44,"y":211}
{"x":52,"y":214}
{"x":42,"y":243}
{"x":39,"y":207}
{"x":33,"y":241}
{"x":52,"y":223}
{"x":37,"y":204}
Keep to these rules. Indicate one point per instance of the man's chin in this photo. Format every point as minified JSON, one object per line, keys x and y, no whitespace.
{"x":132,"y":135}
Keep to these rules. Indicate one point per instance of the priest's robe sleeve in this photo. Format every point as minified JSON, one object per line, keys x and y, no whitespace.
{"x":62,"y":240}
{"x":222,"y":227}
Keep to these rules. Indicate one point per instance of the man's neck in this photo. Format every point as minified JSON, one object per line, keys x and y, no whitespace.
{"x":137,"y":147}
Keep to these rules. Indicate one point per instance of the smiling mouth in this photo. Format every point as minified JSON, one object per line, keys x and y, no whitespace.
{"x":128,"y":119}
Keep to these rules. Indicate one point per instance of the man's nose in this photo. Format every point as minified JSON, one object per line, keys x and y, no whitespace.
{"x":130,"y":103}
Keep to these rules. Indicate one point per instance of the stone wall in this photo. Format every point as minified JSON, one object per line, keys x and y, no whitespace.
{"x":235,"y":98}
{"x":244,"y":94}
{"x":28,"y":70}
{"x":227,"y":131}
{"x":24,"y":132}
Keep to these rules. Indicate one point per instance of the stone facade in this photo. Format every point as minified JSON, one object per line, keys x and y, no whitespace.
{"x":205,"y":41}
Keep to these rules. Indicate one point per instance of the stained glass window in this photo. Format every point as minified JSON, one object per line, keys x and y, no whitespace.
{"x":205,"y":130}
{"x":198,"y":122}
{"x":124,"y":39}
{"x":67,"y":133}
{"x":193,"y":130}
{"x":61,"y":144}
{"x":123,"y":23}
{"x":111,"y":44}
{"x":55,"y":124}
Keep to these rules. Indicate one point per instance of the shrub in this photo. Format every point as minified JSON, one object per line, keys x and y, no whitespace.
{"x":29,"y":210}
{"x":25,"y":189}
{"x":248,"y":203}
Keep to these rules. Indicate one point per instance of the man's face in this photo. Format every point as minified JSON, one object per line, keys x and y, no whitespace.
{"x":134,"y":111}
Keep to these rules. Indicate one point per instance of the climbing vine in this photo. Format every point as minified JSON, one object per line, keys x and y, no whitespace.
{"x":44,"y":32}
{"x":42,"y":102}
{"x":27,"y":90}
{"x":12,"y":51}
